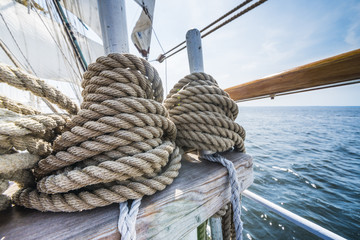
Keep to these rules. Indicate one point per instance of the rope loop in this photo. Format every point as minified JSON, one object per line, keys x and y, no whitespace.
{"x":120,"y":145}
{"x":204,"y":115}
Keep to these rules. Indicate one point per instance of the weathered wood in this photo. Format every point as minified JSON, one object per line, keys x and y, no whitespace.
{"x":340,"y":68}
{"x":201,"y":189}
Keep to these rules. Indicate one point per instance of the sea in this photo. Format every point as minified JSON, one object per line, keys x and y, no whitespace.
{"x":306,"y":160}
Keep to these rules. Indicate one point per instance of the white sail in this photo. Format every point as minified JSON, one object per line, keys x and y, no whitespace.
{"x":141,"y":34}
{"x":87,"y":11}
{"x":37,"y":40}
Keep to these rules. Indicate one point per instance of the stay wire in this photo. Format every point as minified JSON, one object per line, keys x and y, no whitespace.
{"x":234,"y":17}
{"x":211,"y":24}
{"x":226,"y":14}
{"x":162,"y":49}
{"x":218,"y":26}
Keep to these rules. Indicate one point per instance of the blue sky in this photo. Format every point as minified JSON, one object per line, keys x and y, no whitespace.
{"x":276,"y":36}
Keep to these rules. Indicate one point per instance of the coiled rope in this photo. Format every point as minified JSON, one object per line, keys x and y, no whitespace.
{"x":120,"y":145}
{"x":33,"y":133}
{"x":204,"y":117}
{"x":25,"y":81}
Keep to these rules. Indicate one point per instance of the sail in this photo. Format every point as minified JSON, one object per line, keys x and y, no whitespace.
{"x":86,"y":11}
{"x":36,"y":40}
{"x":141,"y":34}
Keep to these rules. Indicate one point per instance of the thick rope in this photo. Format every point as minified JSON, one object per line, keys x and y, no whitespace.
{"x":10,"y":163}
{"x":4,"y":184}
{"x":120,"y":145}
{"x":221,"y":213}
{"x":23,"y":178}
{"x":204,"y":117}
{"x":32,"y":132}
{"x":25,"y":81}
{"x":4,"y":202}
{"x":16,"y":107}
{"x":226,"y":223}
{"x":127,"y":219}
{"x":235,"y":190}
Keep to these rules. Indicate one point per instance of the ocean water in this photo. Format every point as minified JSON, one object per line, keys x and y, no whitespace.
{"x":307,"y":160}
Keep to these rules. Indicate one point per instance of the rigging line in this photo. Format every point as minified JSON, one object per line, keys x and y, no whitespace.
{"x":17,"y":45}
{"x":74,"y":78}
{"x":163,"y":57}
{"x":56,"y":43}
{"x":70,"y":35}
{"x":214,"y":22}
{"x":10,"y":54}
{"x":226,"y":14}
{"x":234,"y":17}
{"x":166,"y":77}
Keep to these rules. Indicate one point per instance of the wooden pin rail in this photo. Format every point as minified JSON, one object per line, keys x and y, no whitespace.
{"x":341,"y":68}
{"x":199,"y":191}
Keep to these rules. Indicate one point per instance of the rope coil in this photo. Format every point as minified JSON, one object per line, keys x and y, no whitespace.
{"x":204,"y":117}
{"x":120,"y":145}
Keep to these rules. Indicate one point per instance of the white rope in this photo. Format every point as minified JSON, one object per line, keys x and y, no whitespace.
{"x":235,"y":190}
{"x":127,"y":219}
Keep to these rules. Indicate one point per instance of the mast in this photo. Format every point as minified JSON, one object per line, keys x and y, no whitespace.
{"x":113,"y":26}
{"x":70,"y":35}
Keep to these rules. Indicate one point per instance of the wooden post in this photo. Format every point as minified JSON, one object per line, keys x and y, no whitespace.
{"x":113,"y":26}
{"x":196,"y":64}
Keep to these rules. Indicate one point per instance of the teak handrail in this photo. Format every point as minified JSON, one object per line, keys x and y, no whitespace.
{"x":340,"y":68}
{"x":199,"y":191}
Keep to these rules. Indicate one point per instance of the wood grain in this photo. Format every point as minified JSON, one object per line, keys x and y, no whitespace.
{"x":340,"y":68}
{"x":201,"y":189}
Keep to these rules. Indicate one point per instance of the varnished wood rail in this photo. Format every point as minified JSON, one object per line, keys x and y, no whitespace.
{"x":341,"y":68}
{"x":201,"y":189}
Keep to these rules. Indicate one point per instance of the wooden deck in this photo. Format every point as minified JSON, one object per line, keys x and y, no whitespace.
{"x":199,"y":191}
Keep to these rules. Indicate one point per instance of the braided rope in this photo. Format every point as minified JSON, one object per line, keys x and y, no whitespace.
{"x":120,"y":145}
{"x":127,"y":219}
{"x":204,"y":117}
{"x":16,"y":107}
{"x":25,"y":81}
{"x":235,"y":190}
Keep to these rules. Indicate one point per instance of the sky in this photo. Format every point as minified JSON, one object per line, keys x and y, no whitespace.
{"x":276,"y":36}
